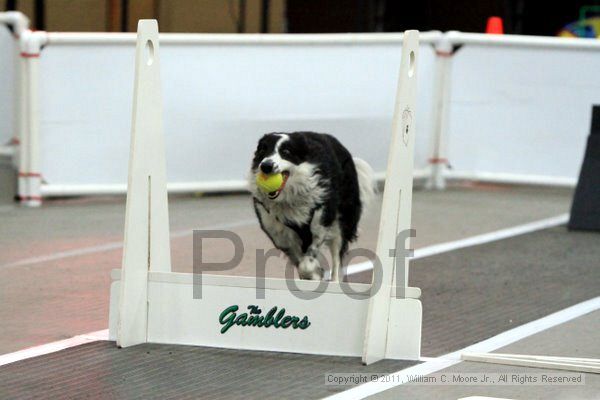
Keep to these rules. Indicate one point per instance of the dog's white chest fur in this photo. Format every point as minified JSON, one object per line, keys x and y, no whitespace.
{"x":282,"y":236}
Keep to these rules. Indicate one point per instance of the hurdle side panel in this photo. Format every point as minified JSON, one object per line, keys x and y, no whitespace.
{"x":146,"y":242}
{"x":396,"y":207}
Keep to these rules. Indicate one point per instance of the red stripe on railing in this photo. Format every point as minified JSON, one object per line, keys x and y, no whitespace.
{"x":438,"y":161}
{"x":29,"y":55}
{"x":444,"y":53}
{"x":30,"y":175}
{"x":25,"y":198}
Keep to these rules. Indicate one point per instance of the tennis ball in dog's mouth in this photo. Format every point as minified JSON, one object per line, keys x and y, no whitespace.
{"x":269,"y":183}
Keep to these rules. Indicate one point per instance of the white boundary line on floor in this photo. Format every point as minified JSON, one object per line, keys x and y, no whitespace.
{"x":472,"y":241}
{"x":115,"y":245}
{"x":52,"y":347}
{"x":504,"y":339}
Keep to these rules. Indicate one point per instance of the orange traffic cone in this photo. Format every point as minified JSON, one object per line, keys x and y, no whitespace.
{"x":494,"y":26}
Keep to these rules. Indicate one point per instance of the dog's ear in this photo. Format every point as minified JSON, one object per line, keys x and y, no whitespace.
{"x":260,"y":151}
{"x":262,"y":142}
{"x":266,"y":142}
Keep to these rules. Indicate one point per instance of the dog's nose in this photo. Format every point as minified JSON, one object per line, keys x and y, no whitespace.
{"x":267,"y":166}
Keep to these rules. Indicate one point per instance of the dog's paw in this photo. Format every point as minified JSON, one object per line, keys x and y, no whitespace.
{"x":310,"y":269}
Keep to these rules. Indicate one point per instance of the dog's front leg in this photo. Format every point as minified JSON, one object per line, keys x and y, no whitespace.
{"x":310,"y":266}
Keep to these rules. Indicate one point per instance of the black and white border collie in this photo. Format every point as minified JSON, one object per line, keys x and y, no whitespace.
{"x":320,"y":203}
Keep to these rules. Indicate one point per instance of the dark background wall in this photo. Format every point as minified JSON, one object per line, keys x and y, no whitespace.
{"x":219,"y":16}
{"x":531,"y":17}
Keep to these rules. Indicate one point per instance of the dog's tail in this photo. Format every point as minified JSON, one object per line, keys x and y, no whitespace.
{"x":366,"y":182}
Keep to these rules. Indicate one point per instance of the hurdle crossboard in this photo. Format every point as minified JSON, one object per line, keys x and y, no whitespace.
{"x":150,"y":303}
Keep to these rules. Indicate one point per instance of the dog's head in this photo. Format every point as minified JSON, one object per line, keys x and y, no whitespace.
{"x":281,"y":153}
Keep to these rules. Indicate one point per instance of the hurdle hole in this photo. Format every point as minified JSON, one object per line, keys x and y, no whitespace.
{"x":411,"y":64}
{"x":149,"y":52}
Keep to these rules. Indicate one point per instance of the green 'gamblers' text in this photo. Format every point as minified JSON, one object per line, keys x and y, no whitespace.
{"x":254,"y":317}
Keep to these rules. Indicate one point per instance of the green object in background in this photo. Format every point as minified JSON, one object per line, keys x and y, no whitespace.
{"x":584,"y":27}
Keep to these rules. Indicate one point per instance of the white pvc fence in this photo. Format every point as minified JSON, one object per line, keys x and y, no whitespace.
{"x":520,"y":108}
{"x":221,"y":93}
{"x":8,"y":85}
{"x":503,"y":108}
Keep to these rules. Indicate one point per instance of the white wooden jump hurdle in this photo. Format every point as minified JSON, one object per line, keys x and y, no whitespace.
{"x":149,"y":303}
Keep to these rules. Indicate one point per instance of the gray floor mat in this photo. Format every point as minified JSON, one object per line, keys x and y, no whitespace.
{"x":100,"y":370}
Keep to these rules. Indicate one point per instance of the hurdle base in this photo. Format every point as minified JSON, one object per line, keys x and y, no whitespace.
{"x":336,"y":320}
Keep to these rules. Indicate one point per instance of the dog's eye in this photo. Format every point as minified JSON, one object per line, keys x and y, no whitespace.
{"x":286,"y":153}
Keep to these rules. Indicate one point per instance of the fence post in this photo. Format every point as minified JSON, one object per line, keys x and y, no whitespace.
{"x":438,"y":162}
{"x":30,"y":178}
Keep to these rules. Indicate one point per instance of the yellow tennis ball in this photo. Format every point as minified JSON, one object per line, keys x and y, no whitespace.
{"x":269,"y":183}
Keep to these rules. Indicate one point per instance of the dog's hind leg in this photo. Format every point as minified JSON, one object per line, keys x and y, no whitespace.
{"x":335,"y":246}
